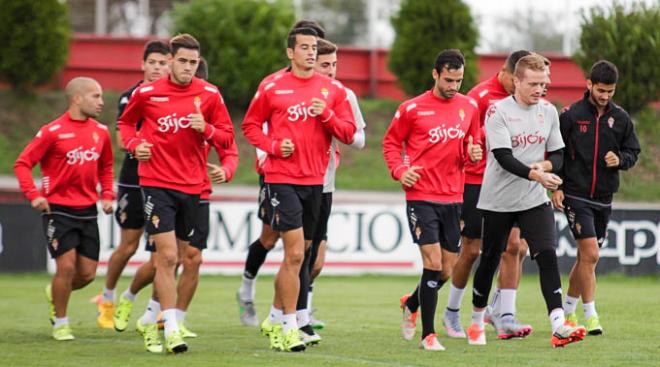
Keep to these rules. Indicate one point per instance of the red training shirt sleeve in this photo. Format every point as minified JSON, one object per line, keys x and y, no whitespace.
{"x":229,"y":160}
{"x":219,"y":128}
{"x":105,"y":169}
{"x":393,"y":141}
{"x":29,"y":157}
{"x":339,"y":120}
{"x":257,"y":113}
{"x":127,"y":123}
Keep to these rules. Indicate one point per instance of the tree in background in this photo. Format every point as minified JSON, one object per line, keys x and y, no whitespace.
{"x":424,"y":28}
{"x":630,"y":38}
{"x":36,"y":35}
{"x":242,"y":41}
{"x":345,"y":21}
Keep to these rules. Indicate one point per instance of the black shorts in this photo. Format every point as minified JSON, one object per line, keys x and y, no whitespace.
{"x":470,"y":215}
{"x":201,"y":234}
{"x":587,"y":219}
{"x":537,"y":227}
{"x":67,"y":228}
{"x":295,"y":206}
{"x":321,"y":232}
{"x":435,"y":223}
{"x":265,"y":210}
{"x":170,"y":210}
{"x":130,"y":207}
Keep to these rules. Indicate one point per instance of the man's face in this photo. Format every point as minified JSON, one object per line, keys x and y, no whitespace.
{"x":601,"y":93}
{"x":303,"y":54}
{"x":184,"y":65}
{"x":448,"y":82}
{"x":507,"y":81}
{"x":547,"y":82}
{"x":327,"y":65}
{"x":530,"y":88}
{"x":90,"y":101}
{"x":155,"y":67}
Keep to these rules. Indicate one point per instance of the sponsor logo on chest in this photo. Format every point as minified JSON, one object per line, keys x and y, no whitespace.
{"x":300,"y":112}
{"x":81,"y":156}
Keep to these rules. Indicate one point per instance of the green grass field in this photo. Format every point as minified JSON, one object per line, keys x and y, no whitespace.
{"x":362,"y":317}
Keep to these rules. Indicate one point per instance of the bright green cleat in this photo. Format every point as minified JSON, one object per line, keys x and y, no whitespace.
{"x":51,"y":306}
{"x":266,"y":327}
{"x":151,"y":339}
{"x":185,"y":332}
{"x":593,"y":326}
{"x":292,"y":341}
{"x":63,"y":333}
{"x":273,"y":333}
{"x":175,"y":344}
{"x":572,"y":318}
{"x":122,"y":313}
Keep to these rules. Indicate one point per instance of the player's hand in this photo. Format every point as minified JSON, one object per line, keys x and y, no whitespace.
{"x":549,"y":180}
{"x":41,"y":204}
{"x":611,"y":159}
{"x":318,"y":106}
{"x":106,"y":206}
{"x":409,"y":177}
{"x":143,"y":151}
{"x":286,"y":148}
{"x":474,"y":151}
{"x":558,"y":199}
{"x":217,"y":173}
{"x":537,"y":166}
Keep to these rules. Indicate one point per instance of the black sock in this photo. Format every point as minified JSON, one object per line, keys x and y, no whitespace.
{"x":413,"y":301}
{"x":305,"y":279}
{"x":428,"y":299}
{"x":550,"y":280}
{"x":255,"y":258}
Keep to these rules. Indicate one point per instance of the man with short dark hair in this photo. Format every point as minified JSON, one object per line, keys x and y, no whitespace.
{"x":303,"y":111}
{"x":485,"y":94}
{"x":179,"y":115}
{"x":130,"y":209}
{"x":75,"y":155}
{"x":600,"y":141}
{"x":436,"y":131}
{"x":520,"y":130}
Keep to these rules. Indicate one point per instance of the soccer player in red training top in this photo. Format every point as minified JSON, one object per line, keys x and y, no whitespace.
{"x":304,"y":110}
{"x":485,"y":94}
{"x":130,"y":210}
{"x":439,"y":129}
{"x":600,"y":141}
{"x":261,"y":246}
{"x":179,"y":114}
{"x":75,"y":154}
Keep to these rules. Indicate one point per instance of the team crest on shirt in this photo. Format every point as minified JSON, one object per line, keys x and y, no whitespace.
{"x":541,"y":118}
{"x":325,"y":92}
{"x":155,"y":220}
{"x":461,"y":114}
{"x":95,"y":136}
{"x":610,"y":122}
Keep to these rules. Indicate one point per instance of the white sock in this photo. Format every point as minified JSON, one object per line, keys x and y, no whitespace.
{"x":151,"y":313}
{"x":302,"y":317}
{"x":246,"y":292}
{"x":128,"y":295}
{"x":289,"y":322}
{"x":275,"y":316}
{"x":507,"y":302}
{"x":180,"y":315}
{"x":496,"y":305}
{"x":589,"y":309}
{"x":570,"y":304}
{"x":478,"y":318}
{"x":169,"y":316}
{"x":455,"y":298}
{"x":310,"y":295}
{"x":59,"y":321}
{"x":557,"y":318}
{"x":108,"y":295}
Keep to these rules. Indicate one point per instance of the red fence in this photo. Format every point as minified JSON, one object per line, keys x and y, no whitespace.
{"x":115,"y":63}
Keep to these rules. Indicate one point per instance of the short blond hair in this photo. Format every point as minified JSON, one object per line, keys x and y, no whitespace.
{"x":533,"y":62}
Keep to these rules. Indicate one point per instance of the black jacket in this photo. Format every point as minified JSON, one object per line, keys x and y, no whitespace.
{"x":588,"y":138}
